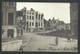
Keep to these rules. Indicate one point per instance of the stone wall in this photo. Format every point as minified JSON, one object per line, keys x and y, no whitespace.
{"x":12,"y":45}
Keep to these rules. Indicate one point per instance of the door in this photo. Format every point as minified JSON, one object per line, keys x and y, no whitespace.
{"x":10,"y":33}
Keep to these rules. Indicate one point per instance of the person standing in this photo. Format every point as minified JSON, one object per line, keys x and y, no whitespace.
{"x":21,"y":48}
{"x":56,"y":41}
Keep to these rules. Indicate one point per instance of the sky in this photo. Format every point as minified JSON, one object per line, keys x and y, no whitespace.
{"x":59,"y":11}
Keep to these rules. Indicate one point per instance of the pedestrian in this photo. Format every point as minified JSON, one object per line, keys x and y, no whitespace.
{"x":56,"y":41}
{"x":21,"y":48}
{"x":69,"y":38}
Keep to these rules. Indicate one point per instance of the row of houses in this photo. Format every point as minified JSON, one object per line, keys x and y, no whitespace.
{"x":56,"y":24}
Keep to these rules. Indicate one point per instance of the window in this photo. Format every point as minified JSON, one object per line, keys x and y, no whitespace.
{"x":39,"y":16}
{"x":10,"y":18}
{"x":42,"y":16}
{"x":10,"y":33}
{"x":32,"y":17}
{"x":41,"y":23}
{"x":11,"y":3}
{"x":36,"y":15}
{"x":32,"y":23}
{"x":27,"y":16}
{"x":32,"y":13}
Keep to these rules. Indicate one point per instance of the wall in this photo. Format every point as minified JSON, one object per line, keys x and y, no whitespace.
{"x":12,"y":45}
{"x":74,"y":19}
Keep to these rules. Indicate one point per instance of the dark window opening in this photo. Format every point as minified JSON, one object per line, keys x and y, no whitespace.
{"x":32,"y":17}
{"x":27,"y":16}
{"x":10,"y":18}
{"x":32,"y":13}
{"x":36,"y":14}
{"x":41,"y":23}
{"x":10,"y":33}
{"x":39,"y":16}
{"x":36,"y":24}
{"x":32,"y":23}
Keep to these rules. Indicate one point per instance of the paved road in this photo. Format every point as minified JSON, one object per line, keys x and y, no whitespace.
{"x":47,"y":43}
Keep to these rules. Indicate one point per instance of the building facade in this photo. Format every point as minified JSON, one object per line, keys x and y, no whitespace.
{"x":74,"y":19}
{"x":34,"y":20}
{"x":8,"y":19}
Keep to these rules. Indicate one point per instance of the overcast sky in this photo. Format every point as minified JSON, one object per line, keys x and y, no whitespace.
{"x":57,"y":10}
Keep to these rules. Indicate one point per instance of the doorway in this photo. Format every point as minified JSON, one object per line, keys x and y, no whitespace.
{"x":10,"y":33}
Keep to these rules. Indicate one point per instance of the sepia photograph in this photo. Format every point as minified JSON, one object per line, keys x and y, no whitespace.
{"x":39,"y":27}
